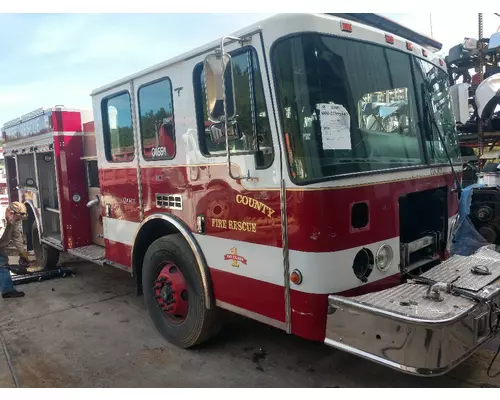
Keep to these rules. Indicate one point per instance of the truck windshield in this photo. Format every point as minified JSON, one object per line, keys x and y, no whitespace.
{"x":350,"y":107}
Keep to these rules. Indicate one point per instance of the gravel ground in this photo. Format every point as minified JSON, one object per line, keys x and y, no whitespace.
{"x":91,"y":330}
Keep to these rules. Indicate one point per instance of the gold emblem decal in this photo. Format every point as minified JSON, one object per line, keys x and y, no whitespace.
{"x":235,"y":258}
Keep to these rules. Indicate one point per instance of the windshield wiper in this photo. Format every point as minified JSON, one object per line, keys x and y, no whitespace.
{"x":431,"y":120}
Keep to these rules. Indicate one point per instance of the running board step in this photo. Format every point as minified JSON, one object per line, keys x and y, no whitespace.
{"x":416,"y":329}
{"x":92,"y":253}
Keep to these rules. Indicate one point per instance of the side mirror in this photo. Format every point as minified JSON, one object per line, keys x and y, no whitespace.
{"x":460,"y":101}
{"x":218,"y":135}
{"x":470,"y":44}
{"x":218,"y":79}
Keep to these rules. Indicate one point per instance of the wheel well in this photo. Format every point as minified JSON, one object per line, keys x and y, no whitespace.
{"x":151,"y":231}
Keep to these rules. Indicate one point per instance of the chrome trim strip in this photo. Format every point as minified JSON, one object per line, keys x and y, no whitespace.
{"x":53,"y":243}
{"x":250,"y":314}
{"x":138,"y":146}
{"x":286,"y":261}
{"x":420,"y":243}
{"x":17,"y":176}
{"x":59,"y":196}
{"x":195,"y":248}
{"x":37,"y":176}
{"x":37,"y":218}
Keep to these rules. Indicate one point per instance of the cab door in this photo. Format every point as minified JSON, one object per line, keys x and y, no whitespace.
{"x":243,"y":241}
{"x":118,"y":171}
{"x":95,"y":210}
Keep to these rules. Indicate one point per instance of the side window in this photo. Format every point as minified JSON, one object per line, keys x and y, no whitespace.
{"x":436,"y":85}
{"x":157,"y":120}
{"x":251,"y":110}
{"x":117,"y":128}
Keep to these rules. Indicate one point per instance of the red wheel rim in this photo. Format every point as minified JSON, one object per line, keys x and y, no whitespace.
{"x":171,"y":292}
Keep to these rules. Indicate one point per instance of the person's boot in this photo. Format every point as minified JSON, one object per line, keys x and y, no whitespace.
{"x":19,"y":269}
{"x":12,"y":294}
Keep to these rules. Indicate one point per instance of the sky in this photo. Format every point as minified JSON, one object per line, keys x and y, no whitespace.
{"x":58,"y":59}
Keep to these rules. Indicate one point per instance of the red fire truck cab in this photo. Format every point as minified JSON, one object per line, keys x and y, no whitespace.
{"x":298,"y":173}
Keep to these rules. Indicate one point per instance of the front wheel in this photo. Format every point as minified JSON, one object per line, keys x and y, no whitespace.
{"x":173,"y":293}
{"x":46,"y":256}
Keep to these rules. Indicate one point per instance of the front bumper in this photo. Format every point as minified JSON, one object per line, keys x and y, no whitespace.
{"x":404,"y":329}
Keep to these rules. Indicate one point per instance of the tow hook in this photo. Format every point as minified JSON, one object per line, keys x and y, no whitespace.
{"x":434,"y":291}
{"x":480,"y":270}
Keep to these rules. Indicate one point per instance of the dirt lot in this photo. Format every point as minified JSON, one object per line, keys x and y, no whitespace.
{"x":90,"y":330}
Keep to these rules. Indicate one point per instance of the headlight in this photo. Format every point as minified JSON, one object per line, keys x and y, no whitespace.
{"x":383,"y":259}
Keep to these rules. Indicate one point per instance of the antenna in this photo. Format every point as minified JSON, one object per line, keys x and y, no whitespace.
{"x":430,"y":21}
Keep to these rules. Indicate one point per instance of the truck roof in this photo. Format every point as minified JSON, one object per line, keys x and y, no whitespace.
{"x":386,"y":24}
{"x":373,"y":21}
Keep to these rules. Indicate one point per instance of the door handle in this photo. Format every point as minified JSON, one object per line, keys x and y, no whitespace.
{"x":93,"y":202}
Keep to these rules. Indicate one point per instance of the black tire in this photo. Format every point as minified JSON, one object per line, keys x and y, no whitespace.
{"x":46,"y":256}
{"x":200,"y":324}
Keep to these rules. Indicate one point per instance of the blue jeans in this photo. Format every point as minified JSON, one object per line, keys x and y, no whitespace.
{"x":6,"y":284}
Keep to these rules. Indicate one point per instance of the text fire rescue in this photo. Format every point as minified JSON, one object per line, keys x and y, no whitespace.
{"x":241,"y":225}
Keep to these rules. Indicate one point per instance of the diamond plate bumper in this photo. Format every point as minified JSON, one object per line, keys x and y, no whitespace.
{"x":405,"y":329}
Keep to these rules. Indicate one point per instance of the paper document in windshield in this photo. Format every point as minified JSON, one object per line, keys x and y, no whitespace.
{"x":335,"y":124}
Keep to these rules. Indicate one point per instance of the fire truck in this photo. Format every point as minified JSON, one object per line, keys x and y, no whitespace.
{"x":303,"y":172}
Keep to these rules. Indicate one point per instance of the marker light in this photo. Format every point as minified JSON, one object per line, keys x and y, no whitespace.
{"x":383,"y":259}
{"x":296,"y":277}
{"x":409,"y":46}
{"x":346,"y":27}
{"x":389,"y":38}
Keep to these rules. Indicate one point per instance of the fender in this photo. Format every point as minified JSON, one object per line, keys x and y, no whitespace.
{"x":195,"y":248}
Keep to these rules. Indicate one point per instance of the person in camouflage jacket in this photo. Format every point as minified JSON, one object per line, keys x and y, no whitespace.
{"x":11,"y":232}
